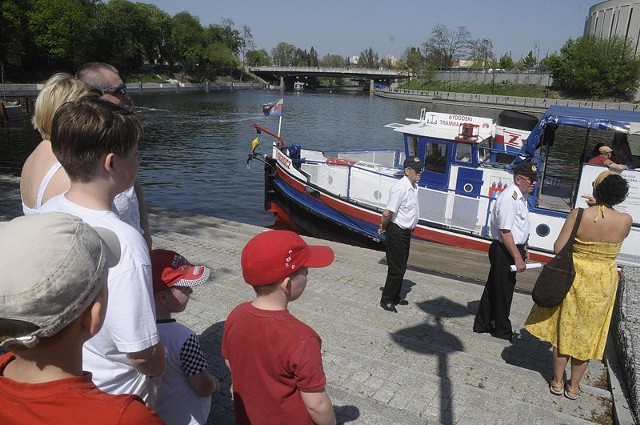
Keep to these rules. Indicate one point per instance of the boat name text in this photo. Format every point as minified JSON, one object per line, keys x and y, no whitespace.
{"x":286,"y":162}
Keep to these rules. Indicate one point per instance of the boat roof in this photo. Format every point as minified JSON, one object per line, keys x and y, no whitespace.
{"x":599,"y":119}
{"x":445,"y":126}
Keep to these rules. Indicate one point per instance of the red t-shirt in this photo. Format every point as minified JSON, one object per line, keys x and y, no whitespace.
{"x":273,"y":356}
{"x":71,"y":401}
{"x":597,"y":160}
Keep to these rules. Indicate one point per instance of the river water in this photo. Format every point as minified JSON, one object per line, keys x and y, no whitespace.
{"x":194,"y":153}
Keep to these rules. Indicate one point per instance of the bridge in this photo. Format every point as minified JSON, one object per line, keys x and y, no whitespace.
{"x":287,"y":75}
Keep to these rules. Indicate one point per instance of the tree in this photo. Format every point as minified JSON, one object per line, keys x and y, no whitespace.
{"x":13,"y":21}
{"x":445,"y":45}
{"x":313,"y":57}
{"x":187,"y":39}
{"x":414,"y":60}
{"x":63,"y":29}
{"x":529,"y":61}
{"x":506,"y":62}
{"x":283,"y":54}
{"x":156,"y":39}
{"x":368,"y":59}
{"x":597,"y":67}
{"x":481,"y":51}
{"x":125,"y":33}
{"x":258,"y":58}
{"x":246,"y":41}
{"x":332,"y":61}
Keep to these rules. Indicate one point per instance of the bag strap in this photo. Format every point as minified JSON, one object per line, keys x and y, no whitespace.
{"x":575,"y":226}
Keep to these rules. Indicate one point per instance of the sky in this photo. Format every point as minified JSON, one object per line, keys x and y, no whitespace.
{"x":347,"y":27}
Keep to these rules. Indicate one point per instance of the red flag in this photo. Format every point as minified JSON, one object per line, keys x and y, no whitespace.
{"x":273,"y":109}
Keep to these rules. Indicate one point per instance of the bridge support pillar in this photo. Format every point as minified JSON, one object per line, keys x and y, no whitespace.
{"x":372,"y":87}
{"x":281,"y":82}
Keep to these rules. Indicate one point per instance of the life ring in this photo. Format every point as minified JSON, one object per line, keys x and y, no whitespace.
{"x":339,"y":161}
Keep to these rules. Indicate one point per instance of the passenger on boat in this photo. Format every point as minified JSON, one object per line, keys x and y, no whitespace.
{"x":604,"y":159}
{"x":510,"y":231}
{"x":578,"y":328}
{"x":399,"y":219}
{"x":622,"y":151}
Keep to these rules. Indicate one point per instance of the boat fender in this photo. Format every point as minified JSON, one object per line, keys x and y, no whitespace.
{"x":339,"y":161}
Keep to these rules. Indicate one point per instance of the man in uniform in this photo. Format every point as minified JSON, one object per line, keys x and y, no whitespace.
{"x":398,"y":221}
{"x":510,"y":231}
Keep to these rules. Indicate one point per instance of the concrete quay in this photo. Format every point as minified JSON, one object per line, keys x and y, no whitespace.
{"x":423,"y":365}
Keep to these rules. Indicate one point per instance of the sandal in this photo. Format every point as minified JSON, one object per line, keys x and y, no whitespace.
{"x":572,"y":393}
{"x":556,"y":388}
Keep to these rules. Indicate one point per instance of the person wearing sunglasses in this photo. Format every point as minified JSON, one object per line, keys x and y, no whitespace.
{"x":510,"y":232}
{"x":398,"y":220}
{"x":130,"y":203}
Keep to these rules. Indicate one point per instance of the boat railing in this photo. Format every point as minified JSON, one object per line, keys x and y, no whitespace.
{"x":452,"y":210}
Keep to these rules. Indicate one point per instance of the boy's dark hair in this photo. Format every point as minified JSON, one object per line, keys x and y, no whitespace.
{"x":612,"y":190}
{"x":87,"y":129}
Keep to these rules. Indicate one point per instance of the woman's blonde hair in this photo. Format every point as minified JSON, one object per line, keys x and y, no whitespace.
{"x":58,"y":90}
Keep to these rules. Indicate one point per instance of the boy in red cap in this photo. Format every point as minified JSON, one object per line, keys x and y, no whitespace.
{"x":184,"y":396}
{"x":274,"y":358}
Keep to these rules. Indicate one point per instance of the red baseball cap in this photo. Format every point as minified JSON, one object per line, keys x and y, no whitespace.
{"x":275,"y":254}
{"x":169,"y":268}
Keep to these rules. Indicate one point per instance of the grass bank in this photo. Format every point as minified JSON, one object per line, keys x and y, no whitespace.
{"x":501,"y":89}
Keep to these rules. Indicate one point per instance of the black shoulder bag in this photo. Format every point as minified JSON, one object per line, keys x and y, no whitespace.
{"x":557,"y":275}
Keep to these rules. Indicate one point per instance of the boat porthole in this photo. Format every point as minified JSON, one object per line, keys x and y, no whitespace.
{"x":377,"y":195}
{"x":542,"y":230}
{"x":468,"y":187}
{"x":330,"y":179}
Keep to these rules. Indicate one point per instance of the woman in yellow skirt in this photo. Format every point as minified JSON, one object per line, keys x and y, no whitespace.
{"x":578,"y":327}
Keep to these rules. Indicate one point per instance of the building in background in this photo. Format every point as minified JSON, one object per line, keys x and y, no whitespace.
{"x":615,"y":18}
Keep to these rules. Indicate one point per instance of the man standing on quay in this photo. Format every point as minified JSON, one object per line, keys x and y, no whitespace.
{"x":510,"y":231}
{"x":398,"y":221}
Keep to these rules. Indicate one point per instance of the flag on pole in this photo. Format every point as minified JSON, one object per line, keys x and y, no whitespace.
{"x":273,"y":109}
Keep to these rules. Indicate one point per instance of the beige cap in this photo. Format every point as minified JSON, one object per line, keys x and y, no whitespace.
{"x":53,"y":266}
{"x":605,"y":149}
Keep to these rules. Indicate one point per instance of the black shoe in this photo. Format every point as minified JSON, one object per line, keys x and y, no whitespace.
{"x":401,"y":302}
{"x":388,"y":307}
{"x":488,"y":330}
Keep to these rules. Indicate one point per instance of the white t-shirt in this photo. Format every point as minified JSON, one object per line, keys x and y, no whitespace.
{"x":510,"y":212}
{"x":129,"y":324}
{"x":403,"y":203}
{"x":177,"y":402}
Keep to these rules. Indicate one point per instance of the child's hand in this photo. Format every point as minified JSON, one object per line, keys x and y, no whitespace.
{"x":590,"y":200}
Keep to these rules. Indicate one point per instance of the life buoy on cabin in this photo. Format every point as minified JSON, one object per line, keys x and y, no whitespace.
{"x":339,"y":161}
{"x":467,"y":132}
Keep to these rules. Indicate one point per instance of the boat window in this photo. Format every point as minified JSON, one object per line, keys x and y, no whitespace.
{"x":412,"y":145}
{"x":435,"y":158}
{"x":564,"y":151}
{"x":463,"y":152}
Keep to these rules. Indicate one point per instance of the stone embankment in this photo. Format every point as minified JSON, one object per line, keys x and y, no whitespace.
{"x":423,"y":365}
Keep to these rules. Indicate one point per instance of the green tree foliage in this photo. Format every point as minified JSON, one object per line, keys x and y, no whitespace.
{"x":63,"y":29}
{"x":529,"y":61}
{"x":313,"y":57}
{"x":368,"y":59}
{"x":414,"y":60}
{"x":284,"y":54}
{"x":597,"y":67}
{"x":258,"y":58}
{"x":187,"y":39}
{"x":332,"y":61}
{"x":13,"y":21}
{"x":246,"y":42}
{"x":481,"y":52}
{"x":156,"y":40}
{"x":506,"y":62}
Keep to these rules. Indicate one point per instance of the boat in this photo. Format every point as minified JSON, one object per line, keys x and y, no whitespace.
{"x":11,"y":111}
{"x":340,"y":195}
{"x":298,"y":86}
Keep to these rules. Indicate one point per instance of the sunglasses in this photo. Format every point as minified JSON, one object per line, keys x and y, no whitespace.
{"x":119,"y":91}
